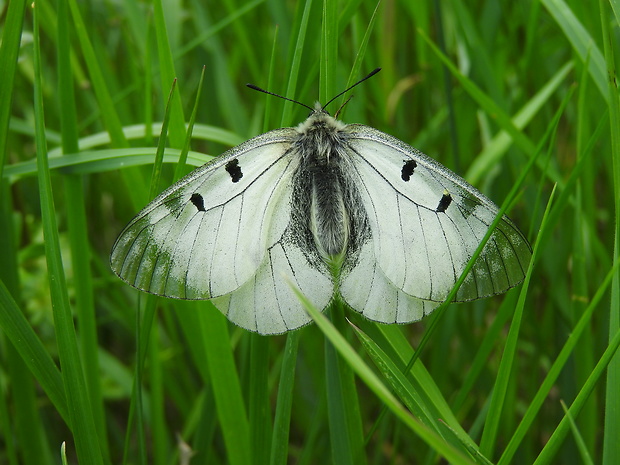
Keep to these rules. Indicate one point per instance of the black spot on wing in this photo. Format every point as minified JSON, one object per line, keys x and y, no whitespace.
{"x":198,"y":202}
{"x":444,"y":203}
{"x":234,"y":170}
{"x":408,"y":168}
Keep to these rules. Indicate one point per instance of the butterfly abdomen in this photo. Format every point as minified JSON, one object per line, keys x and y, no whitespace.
{"x":329,"y":221}
{"x":322,"y":188}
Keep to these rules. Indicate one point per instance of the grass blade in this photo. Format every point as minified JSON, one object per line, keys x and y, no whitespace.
{"x":371,"y":380}
{"x":80,"y":414}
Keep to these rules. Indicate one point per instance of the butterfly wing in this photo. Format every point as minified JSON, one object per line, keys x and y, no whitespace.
{"x":222,"y":229}
{"x":426,"y":223}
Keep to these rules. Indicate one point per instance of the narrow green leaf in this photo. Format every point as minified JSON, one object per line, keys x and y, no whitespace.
{"x":559,"y":434}
{"x":80,"y":413}
{"x":284,"y":403}
{"x":494,"y":415}
{"x":168,"y":76}
{"x":78,"y":231}
{"x":611,"y":446}
{"x":582,"y":42}
{"x":229,"y":401}
{"x":9,"y":49}
{"x":373,"y":382}
{"x":586,"y":459}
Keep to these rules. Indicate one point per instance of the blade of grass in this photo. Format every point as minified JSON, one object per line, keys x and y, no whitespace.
{"x":380,"y":390}
{"x":100,"y":161}
{"x":424,"y":407}
{"x":329,"y":51}
{"x":106,"y":104}
{"x":160,"y":432}
{"x":494,"y":415}
{"x":492,"y":109}
{"x":168,"y":75}
{"x":259,"y":412}
{"x":33,"y":352}
{"x":78,"y":232}
{"x":20,"y":422}
{"x":9,"y":50}
{"x":297,"y":52}
{"x":361,"y":53}
{"x":161,"y":144}
{"x":554,"y":372}
{"x":229,"y":401}
{"x":180,"y":170}
{"x":586,"y":459}
{"x":80,"y":413}
{"x":557,"y":438}
{"x":345,"y":423}
{"x":494,"y":150}
{"x":284,"y":402}
{"x":581,"y":41}
{"x":213,"y":30}
{"x":611,"y":445}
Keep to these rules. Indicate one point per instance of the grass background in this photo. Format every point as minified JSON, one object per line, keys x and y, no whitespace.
{"x":519,"y":97}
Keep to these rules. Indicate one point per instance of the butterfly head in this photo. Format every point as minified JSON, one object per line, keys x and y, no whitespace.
{"x":319,"y":119}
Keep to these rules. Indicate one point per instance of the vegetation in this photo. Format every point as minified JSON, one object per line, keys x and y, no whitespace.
{"x":520,"y":98}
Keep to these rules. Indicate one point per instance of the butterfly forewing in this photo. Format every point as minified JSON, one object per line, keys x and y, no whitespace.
{"x":207,"y":235}
{"x":427,"y":222}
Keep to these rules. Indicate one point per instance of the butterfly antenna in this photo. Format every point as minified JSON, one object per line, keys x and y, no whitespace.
{"x":342,"y":106}
{"x":252,"y":86}
{"x":371,"y":74}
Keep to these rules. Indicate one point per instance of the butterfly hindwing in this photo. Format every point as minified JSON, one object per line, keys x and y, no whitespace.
{"x":266,"y":303}
{"x":426,"y":223}
{"x":367,"y":290}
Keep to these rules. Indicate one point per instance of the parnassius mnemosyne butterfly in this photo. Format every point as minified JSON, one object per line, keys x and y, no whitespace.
{"x":341,"y":210}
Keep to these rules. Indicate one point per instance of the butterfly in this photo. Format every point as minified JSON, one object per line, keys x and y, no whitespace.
{"x":339,"y":210}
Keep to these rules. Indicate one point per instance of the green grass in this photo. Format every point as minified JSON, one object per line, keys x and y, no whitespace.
{"x":514,"y":96}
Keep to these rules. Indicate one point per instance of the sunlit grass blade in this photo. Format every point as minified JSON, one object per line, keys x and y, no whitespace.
{"x":495,"y":149}
{"x":582,"y":42}
{"x":373,"y":382}
{"x":180,"y":169}
{"x":168,"y":75}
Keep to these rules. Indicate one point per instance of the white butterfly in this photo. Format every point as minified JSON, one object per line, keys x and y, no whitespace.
{"x":340,"y":210}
